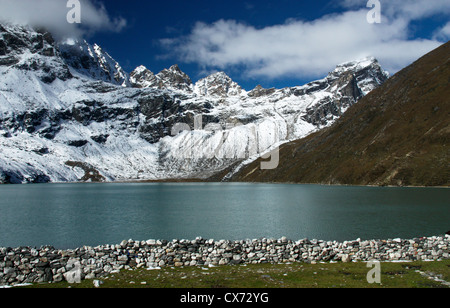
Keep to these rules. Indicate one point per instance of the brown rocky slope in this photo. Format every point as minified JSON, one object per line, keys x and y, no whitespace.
{"x":397,"y":135}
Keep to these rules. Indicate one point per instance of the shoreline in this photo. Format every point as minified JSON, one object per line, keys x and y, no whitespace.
{"x":47,"y":264}
{"x":200,"y":181}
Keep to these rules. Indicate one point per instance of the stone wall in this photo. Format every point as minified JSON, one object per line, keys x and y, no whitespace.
{"x":47,"y":264}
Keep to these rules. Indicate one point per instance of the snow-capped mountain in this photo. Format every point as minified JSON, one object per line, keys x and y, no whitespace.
{"x":171,"y":79}
{"x":93,"y":61}
{"x":395,"y":136}
{"x":218,"y":85}
{"x":142,"y":77}
{"x":68,"y":112}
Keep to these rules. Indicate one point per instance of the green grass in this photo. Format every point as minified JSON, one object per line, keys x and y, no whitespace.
{"x":296,"y":275}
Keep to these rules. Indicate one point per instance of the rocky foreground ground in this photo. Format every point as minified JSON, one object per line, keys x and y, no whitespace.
{"x":47,"y":264}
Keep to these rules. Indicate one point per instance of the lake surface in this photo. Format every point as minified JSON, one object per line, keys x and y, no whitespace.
{"x":73,"y":215}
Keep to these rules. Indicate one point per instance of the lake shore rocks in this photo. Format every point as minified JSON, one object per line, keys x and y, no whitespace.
{"x":46,"y":264}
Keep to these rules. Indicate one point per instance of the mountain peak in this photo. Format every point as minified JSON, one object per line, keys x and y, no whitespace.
{"x":58,"y":131}
{"x":396,"y":135}
{"x":93,"y":61}
{"x":28,"y":49}
{"x":220,"y":74}
{"x":142,"y":77}
{"x":141,"y":68}
{"x":175,"y":68}
{"x":217,"y":84}
{"x":359,"y":63}
{"x":367,"y":60}
{"x":174,"y":78}
{"x":365,"y":70}
{"x":259,"y":91}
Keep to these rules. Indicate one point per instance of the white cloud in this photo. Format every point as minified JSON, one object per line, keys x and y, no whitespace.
{"x":443,"y":34}
{"x":306,"y":49}
{"x":409,"y":9}
{"x":52,"y":14}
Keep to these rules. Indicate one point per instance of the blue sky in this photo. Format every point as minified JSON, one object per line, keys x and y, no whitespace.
{"x":151,"y":21}
{"x":272,"y":43}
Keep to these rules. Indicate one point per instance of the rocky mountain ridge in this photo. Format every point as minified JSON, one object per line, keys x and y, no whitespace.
{"x":69,"y":112}
{"x":397,"y":135}
{"x":92,"y":61}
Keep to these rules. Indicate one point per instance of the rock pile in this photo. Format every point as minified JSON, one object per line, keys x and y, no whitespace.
{"x":47,"y":264}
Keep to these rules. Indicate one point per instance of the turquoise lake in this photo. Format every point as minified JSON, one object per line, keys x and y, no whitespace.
{"x":74,"y":215}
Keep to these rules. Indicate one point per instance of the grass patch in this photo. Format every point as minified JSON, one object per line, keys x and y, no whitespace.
{"x":296,"y":275}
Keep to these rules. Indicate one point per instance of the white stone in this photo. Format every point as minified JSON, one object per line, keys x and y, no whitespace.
{"x":346,"y":258}
{"x":73,"y":276}
{"x":97,"y":283}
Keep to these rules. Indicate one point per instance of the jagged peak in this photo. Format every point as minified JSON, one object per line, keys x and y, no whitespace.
{"x":360,"y":69}
{"x":174,"y":69}
{"x":364,"y":61}
{"x":17,"y":27}
{"x":218,"y":84}
{"x":356,"y":65}
{"x":259,"y":91}
{"x":220,"y":74}
{"x":173,"y":78}
{"x":142,"y":77}
{"x":140,"y":69}
{"x":93,"y":61}
{"x":27,"y":48}
{"x":221,"y":77}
